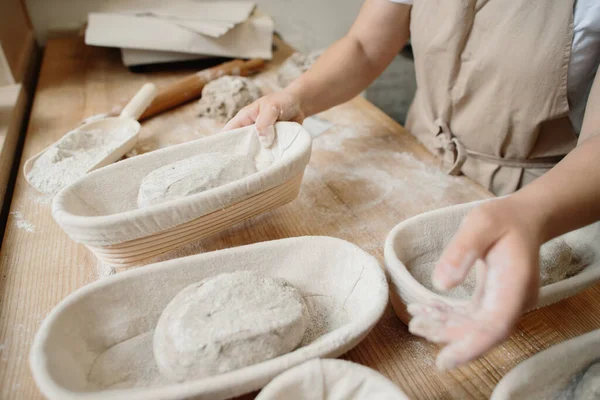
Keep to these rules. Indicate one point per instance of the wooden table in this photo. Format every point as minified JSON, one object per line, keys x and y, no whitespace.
{"x":366,"y":175}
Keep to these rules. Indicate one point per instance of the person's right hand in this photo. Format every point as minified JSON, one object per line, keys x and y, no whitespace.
{"x":264,"y":112}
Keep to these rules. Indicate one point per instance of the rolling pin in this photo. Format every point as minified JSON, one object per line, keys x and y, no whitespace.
{"x":190,"y":88}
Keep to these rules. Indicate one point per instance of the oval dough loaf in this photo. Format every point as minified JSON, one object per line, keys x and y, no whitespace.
{"x":228,"y":322}
{"x":193,"y":175}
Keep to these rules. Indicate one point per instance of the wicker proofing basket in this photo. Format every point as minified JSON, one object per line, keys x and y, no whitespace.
{"x":105,"y":217}
{"x":421,"y":239}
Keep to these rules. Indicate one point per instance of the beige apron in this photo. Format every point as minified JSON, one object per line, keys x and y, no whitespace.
{"x":492,"y":86}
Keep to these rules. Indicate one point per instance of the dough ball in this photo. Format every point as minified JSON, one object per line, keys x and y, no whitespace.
{"x":193,"y":175}
{"x":558,"y":261}
{"x":224,"y":97}
{"x":296,"y":65}
{"x":588,"y":387}
{"x":228,"y":322}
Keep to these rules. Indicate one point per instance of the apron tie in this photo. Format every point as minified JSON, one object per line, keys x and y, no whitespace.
{"x":454,"y":154}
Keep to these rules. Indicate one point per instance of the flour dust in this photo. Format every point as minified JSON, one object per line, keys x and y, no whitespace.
{"x":73,"y":156}
{"x":22,"y":223}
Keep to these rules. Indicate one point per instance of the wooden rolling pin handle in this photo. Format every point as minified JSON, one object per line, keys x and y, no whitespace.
{"x":190,"y":88}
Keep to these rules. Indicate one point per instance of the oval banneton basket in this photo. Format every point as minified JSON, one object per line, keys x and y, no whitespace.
{"x":331,"y":379}
{"x":553,"y":373}
{"x":100,"y":210}
{"x":417,"y":243}
{"x":344,"y":288}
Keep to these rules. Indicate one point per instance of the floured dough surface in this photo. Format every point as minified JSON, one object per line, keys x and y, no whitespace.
{"x":228,"y":322}
{"x":558,"y":261}
{"x":193,"y":175}
{"x":296,"y":65}
{"x":224,"y":97}
{"x":588,"y":387}
{"x":331,"y":380}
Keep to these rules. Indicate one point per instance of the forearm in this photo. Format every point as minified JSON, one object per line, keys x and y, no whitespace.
{"x":568,"y":196}
{"x":352,"y":63}
{"x":340,"y":74}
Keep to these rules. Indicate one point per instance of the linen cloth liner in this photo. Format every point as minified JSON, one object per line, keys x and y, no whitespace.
{"x":101,"y":208}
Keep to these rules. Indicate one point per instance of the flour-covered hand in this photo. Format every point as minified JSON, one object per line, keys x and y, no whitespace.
{"x":264,"y":112}
{"x":505,"y":236}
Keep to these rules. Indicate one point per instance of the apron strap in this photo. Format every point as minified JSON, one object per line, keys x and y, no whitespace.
{"x":454,"y":154}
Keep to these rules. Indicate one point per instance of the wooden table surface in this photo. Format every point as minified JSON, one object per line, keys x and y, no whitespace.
{"x":366,"y":175}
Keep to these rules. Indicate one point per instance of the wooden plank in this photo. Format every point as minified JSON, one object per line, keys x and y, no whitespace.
{"x":366,"y":175}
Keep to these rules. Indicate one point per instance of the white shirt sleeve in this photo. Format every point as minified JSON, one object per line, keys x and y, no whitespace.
{"x":402,"y":1}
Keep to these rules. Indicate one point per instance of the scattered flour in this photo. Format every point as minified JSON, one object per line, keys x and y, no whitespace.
{"x":193,"y":175}
{"x":72,"y":157}
{"x":296,"y":65}
{"x":22,"y":223}
{"x":223,"y":98}
{"x":228,"y":322}
{"x":103,"y":270}
{"x":316,"y":126}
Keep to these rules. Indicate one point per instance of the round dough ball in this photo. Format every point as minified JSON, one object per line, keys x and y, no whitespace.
{"x":193,"y":175}
{"x":588,"y":387}
{"x":224,"y":97}
{"x":296,"y":65}
{"x":558,"y":261}
{"x":228,"y":322}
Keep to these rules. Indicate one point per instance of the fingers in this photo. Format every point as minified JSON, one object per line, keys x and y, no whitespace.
{"x":245,"y":117}
{"x":265,"y":123}
{"x":513,"y":277}
{"x":476,"y":235}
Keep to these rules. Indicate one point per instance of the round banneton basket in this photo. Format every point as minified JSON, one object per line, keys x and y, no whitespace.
{"x":101,"y":211}
{"x":555,"y":373}
{"x":413,"y":247}
{"x":113,"y":320}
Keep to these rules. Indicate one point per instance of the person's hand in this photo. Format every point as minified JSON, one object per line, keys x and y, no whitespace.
{"x":505,"y":235}
{"x":264,"y":112}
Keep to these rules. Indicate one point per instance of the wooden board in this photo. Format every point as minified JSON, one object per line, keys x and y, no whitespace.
{"x":366,"y":175}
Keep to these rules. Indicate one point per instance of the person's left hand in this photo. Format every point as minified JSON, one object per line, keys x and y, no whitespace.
{"x":505,"y":235}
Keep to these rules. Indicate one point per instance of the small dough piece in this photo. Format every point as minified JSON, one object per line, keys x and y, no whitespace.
{"x":193,"y":175}
{"x":224,"y":97}
{"x":228,"y":322}
{"x":296,"y":65}
{"x":588,"y":387}
{"x":558,"y":261}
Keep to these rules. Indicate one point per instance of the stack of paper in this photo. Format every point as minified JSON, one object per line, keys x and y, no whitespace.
{"x":152,"y":31}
